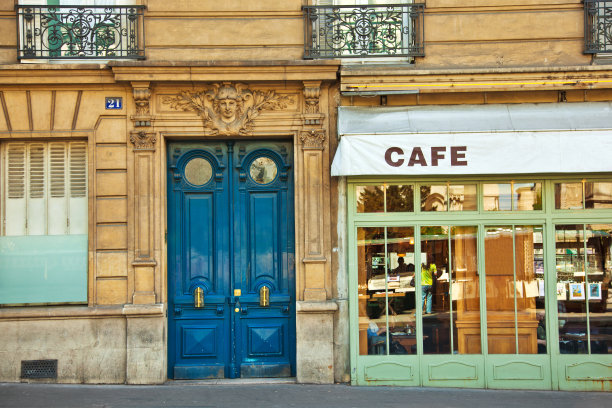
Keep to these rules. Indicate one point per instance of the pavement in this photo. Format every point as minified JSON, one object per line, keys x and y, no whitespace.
{"x":272,"y":395}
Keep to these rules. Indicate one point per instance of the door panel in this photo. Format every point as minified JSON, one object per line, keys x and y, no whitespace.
{"x":230,"y":233}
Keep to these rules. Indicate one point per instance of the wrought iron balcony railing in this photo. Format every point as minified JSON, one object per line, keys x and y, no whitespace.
{"x":391,"y":30}
{"x":80,"y":32}
{"x":598,"y":26}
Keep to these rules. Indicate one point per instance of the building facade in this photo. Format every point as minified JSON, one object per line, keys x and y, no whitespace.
{"x":170,"y":209}
{"x":473,"y":188}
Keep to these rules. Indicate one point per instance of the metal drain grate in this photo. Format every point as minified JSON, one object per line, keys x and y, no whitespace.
{"x":38,"y":368}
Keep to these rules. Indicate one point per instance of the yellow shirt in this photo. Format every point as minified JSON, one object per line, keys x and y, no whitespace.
{"x":427,"y":274}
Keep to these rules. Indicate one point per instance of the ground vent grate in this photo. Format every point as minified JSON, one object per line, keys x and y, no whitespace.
{"x":39,"y":369}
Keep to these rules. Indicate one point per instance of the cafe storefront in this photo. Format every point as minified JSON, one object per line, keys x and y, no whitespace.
{"x":479,"y":245}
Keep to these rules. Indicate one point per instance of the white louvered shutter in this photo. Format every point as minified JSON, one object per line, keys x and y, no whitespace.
{"x":78,"y":188}
{"x":58,"y":205}
{"x":45,"y":188}
{"x":15,"y":188}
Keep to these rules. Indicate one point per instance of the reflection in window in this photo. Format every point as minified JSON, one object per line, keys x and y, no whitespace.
{"x":448,"y":197}
{"x":370,"y":199}
{"x":514,"y":267}
{"x":381,"y":198}
{"x":449,"y":290}
{"x":584,"y":272}
{"x":386,"y":296}
{"x":400,"y":198}
{"x":597,"y":195}
{"x":512,"y":196}
{"x":263,"y":170}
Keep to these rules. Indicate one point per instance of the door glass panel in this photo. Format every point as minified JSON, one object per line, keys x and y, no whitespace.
{"x":499,"y":270}
{"x":599,"y":270}
{"x":400,"y":295}
{"x":568,"y":196}
{"x":464,"y":290}
{"x":370,"y":282}
{"x":530,"y":304}
{"x":386,"y":296}
{"x":400,"y":198}
{"x":450,"y":296}
{"x":597,"y":195}
{"x":198,"y":171}
{"x":370,"y":199}
{"x":263,"y":170}
{"x":569,"y":248}
{"x":434,"y":292}
{"x":433,"y":198}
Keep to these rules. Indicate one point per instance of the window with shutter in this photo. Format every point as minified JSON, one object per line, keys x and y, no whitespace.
{"x":43,"y":238}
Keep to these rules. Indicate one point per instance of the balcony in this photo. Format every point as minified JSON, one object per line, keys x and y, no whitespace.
{"x":598,"y":26}
{"x":80,"y":33}
{"x":368,"y":31}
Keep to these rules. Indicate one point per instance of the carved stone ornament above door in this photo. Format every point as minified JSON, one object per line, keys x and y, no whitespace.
{"x":228,"y":109}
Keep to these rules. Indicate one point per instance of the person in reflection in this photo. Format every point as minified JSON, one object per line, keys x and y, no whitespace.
{"x":427,"y":275}
{"x":401,"y":266}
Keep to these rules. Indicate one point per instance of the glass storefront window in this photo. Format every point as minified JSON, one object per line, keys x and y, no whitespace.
{"x":385,"y":198}
{"x":370,"y":199}
{"x":514,"y":267}
{"x":454,"y":197}
{"x":449,"y":284}
{"x":585,"y":194}
{"x":386,"y":290}
{"x":584,"y":272}
{"x":512,"y":196}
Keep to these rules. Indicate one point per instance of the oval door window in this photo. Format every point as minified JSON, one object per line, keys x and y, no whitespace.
{"x":198,"y":171}
{"x":263,"y":170}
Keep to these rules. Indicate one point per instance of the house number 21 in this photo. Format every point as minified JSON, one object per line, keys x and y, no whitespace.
{"x":114,"y":103}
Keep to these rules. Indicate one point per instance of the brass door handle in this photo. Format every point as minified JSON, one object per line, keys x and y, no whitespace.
{"x":198,"y":297}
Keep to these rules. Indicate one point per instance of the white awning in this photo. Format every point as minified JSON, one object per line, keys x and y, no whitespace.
{"x":474,"y":153}
{"x":474,"y":139}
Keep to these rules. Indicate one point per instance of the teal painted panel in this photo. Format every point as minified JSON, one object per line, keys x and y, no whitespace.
{"x":588,"y":371}
{"x":453,"y":371}
{"x":43,"y":269}
{"x":388,"y":371}
{"x":518,"y":370}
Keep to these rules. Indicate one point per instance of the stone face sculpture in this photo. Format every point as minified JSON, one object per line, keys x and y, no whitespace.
{"x":228,"y":109}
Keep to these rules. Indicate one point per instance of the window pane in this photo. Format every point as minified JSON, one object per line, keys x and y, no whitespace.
{"x":499,"y":270}
{"x":434,"y":293}
{"x":599,"y":269}
{"x":463,"y":197}
{"x":497,"y":197}
{"x":568,"y":196}
{"x":530,"y":304}
{"x":527,"y":196}
{"x":371,"y":280}
{"x":433,"y":198}
{"x":465,"y":292}
{"x":55,"y":270}
{"x":400,"y":296}
{"x":370,"y":199}
{"x":570,"y":289}
{"x":400,"y":198}
{"x":598,"y":195}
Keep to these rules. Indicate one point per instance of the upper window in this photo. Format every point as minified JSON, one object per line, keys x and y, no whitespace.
{"x":583,"y":194}
{"x":43,"y":238}
{"x":362,"y":28}
{"x":80,"y":29}
{"x":598,"y":26}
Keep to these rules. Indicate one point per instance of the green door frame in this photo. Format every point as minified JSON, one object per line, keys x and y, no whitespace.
{"x":537,"y":371}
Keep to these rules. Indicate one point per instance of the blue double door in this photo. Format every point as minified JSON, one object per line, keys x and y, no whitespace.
{"x":231,"y":279}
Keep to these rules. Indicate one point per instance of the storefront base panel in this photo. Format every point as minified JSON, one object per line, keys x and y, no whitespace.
{"x":402,"y":371}
{"x":453,"y":371}
{"x":108,"y":350}
{"x":518,"y":372}
{"x":585,"y":373}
